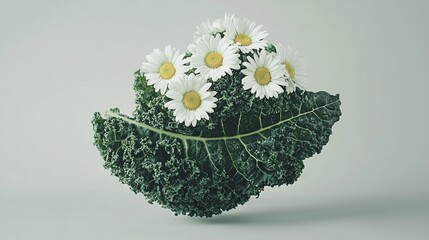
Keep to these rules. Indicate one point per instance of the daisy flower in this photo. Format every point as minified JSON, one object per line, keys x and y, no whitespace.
{"x":164,"y":67}
{"x":264,"y":75}
{"x":295,"y":67}
{"x":213,"y":28}
{"x":245,"y":33}
{"x":191,"y":100}
{"x":209,"y":28}
{"x":213,"y":57}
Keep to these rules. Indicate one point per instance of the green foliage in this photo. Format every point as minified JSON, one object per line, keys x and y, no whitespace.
{"x":247,"y":144}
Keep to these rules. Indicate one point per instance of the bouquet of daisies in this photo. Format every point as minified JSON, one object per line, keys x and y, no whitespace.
{"x":214,"y":126}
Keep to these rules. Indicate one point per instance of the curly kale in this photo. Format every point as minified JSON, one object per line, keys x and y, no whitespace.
{"x":247,"y":144}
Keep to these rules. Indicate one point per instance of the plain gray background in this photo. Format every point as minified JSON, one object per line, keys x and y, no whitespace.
{"x":60,"y":61}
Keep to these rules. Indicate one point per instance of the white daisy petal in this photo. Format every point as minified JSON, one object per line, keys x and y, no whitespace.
{"x":276,"y":87}
{"x":173,"y":94}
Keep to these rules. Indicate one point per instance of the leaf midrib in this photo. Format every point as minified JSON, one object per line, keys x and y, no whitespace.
{"x":204,"y":139}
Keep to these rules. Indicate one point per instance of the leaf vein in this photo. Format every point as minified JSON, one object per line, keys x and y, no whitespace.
{"x":199,"y":138}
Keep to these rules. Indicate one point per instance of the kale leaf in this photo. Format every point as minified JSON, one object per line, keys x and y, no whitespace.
{"x":247,"y":144}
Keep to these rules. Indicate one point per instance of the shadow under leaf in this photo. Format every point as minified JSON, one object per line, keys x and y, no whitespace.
{"x":324,"y":211}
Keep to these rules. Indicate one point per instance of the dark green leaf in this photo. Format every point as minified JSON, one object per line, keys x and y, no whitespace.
{"x":205,"y":171}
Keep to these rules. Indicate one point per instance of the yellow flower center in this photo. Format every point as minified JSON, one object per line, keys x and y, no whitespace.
{"x":167,"y":70}
{"x":213,"y":60}
{"x":243,"y":39}
{"x":262,"y":76}
{"x":191,"y":100}
{"x":290,"y":69}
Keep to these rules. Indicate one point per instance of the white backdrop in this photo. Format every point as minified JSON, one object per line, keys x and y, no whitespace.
{"x":62,"y":61}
